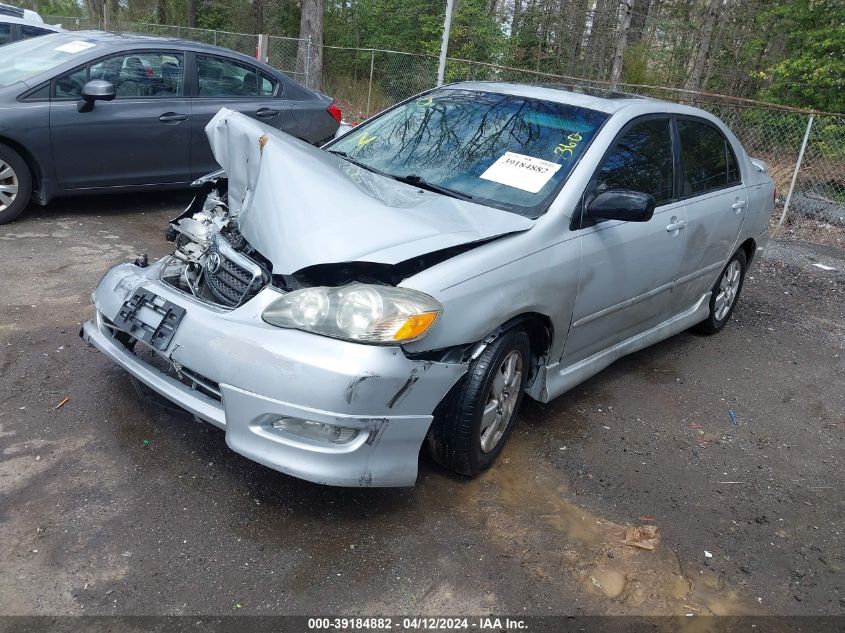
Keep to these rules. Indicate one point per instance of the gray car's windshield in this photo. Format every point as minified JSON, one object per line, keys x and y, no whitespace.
{"x":506,"y":151}
{"x":23,"y":60}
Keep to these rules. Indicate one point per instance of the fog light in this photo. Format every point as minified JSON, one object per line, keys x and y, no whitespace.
{"x":316,"y":431}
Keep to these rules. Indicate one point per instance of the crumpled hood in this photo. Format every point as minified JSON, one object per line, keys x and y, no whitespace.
{"x":299,"y":205}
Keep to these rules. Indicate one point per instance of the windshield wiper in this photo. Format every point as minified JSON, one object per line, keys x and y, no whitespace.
{"x":347,"y":157}
{"x":422,"y":183}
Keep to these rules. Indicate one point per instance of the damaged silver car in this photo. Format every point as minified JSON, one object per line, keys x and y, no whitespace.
{"x":334,"y":309}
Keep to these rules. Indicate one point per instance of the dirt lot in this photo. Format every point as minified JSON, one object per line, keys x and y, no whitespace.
{"x":111,"y":506}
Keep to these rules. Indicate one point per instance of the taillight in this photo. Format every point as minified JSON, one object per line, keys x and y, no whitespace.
{"x":335,"y":112}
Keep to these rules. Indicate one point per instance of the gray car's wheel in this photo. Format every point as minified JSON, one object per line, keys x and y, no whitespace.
{"x":476,"y":418}
{"x":15,"y":184}
{"x":725,"y":294}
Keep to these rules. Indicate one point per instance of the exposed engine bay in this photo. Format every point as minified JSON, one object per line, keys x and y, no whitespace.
{"x":212,"y":261}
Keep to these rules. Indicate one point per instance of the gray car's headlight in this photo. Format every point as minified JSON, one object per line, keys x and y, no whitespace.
{"x":357,"y":312}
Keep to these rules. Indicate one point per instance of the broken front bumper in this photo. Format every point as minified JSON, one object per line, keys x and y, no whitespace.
{"x":246,"y":374}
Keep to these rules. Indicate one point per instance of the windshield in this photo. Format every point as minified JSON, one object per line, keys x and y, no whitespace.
{"x":23,"y":60}
{"x":506,"y":151}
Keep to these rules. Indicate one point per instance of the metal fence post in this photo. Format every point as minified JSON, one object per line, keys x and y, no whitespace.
{"x":795,"y":173}
{"x":261,"y":53}
{"x":370,"y":86}
{"x":308,"y":62}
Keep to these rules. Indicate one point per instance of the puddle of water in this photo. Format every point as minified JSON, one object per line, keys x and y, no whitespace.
{"x":527,"y":512}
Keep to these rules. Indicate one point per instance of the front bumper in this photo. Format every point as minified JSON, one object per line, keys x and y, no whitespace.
{"x":260,"y":373}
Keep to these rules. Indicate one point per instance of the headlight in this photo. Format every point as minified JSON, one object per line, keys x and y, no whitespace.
{"x":357,"y":312}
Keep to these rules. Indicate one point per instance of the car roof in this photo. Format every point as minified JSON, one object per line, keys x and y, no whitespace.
{"x":122,"y":39}
{"x":10,"y":19}
{"x":607,"y":101}
{"x":600,"y":99}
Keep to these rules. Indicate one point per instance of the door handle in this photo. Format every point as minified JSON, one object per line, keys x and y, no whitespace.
{"x":672,"y":227}
{"x":738,"y":206}
{"x":172,"y":117}
{"x":266,"y":113}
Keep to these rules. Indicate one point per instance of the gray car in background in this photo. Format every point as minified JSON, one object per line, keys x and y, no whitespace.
{"x":332,"y":309}
{"x":92,"y":112}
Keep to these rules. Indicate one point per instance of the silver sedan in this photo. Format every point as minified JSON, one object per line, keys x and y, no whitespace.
{"x":335,"y":309}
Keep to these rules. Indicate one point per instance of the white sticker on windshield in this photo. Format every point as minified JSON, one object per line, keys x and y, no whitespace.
{"x":76,"y":46}
{"x":523,"y":172}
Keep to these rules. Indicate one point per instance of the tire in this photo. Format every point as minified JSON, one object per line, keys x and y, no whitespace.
{"x":462,"y":438}
{"x":730,"y":281}
{"x":15,"y":184}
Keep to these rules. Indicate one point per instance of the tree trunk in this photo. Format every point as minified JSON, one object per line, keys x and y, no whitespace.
{"x":517,"y":14}
{"x":161,"y":11}
{"x":191,"y":6}
{"x":621,"y":41}
{"x":639,"y":21}
{"x":694,"y":80}
{"x":311,"y":26}
{"x":258,"y":15}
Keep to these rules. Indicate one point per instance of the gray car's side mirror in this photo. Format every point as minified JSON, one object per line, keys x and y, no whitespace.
{"x":631,"y":206}
{"x":95,"y":90}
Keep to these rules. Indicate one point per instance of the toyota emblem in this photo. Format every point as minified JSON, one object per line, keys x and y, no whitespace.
{"x":212,"y":263}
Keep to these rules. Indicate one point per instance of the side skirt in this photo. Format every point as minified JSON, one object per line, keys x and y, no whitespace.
{"x":554,"y":380}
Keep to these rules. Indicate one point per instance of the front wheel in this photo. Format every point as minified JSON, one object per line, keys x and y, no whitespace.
{"x":15,"y":184}
{"x":474,"y":421}
{"x":725,"y":294}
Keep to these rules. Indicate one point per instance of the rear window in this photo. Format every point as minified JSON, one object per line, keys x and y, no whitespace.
{"x":505,"y":151}
{"x":25,"y":59}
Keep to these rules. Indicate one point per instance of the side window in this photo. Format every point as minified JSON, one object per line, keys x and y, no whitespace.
{"x":266,"y":86}
{"x":707,"y":157}
{"x":70,"y":84}
{"x":32,"y":31}
{"x":733,"y":170}
{"x":640,"y":161}
{"x":142,"y":74}
{"x":220,"y":77}
{"x":5,"y":34}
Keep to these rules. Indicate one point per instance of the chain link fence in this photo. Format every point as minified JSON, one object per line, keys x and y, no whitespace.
{"x":804,"y":151}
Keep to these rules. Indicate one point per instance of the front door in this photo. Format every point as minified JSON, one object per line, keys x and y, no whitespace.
{"x":142,"y":137}
{"x":628,"y":268}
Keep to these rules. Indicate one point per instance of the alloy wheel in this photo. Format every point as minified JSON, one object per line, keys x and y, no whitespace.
{"x":8,"y":185}
{"x":501,"y":402}
{"x":728,"y":289}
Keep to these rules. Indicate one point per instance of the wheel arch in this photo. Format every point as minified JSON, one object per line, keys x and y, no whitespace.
{"x":35,"y":171}
{"x":540,"y":336}
{"x":750,"y":248}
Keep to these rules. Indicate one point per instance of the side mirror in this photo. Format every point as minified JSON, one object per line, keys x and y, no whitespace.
{"x":95,"y":90}
{"x":631,"y":206}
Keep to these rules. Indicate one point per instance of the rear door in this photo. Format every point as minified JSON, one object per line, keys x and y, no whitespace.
{"x":142,"y":137}
{"x":220,"y":81}
{"x":716,"y":201}
{"x":628,"y":268}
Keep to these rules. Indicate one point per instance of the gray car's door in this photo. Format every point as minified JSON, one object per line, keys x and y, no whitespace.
{"x":716,"y":202}
{"x":225,"y":82}
{"x":628,"y":268}
{"x":142,"y":137}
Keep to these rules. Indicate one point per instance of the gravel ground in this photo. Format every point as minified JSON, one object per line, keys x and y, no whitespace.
{"x":112,"y":506}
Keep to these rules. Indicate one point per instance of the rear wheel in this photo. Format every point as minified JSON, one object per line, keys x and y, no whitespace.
{"x":474,"y":421}
{"x":724,"y":295}
{"x":15,"y":184}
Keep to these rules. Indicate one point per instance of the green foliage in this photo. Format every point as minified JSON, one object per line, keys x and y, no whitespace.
{"x":635,"y":68}
{"x":213,"y":14}
{"x":812,"y":74}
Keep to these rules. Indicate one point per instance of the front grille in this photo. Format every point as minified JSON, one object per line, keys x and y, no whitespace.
{"x":230,"y":278}
{"x":229,"y":283}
